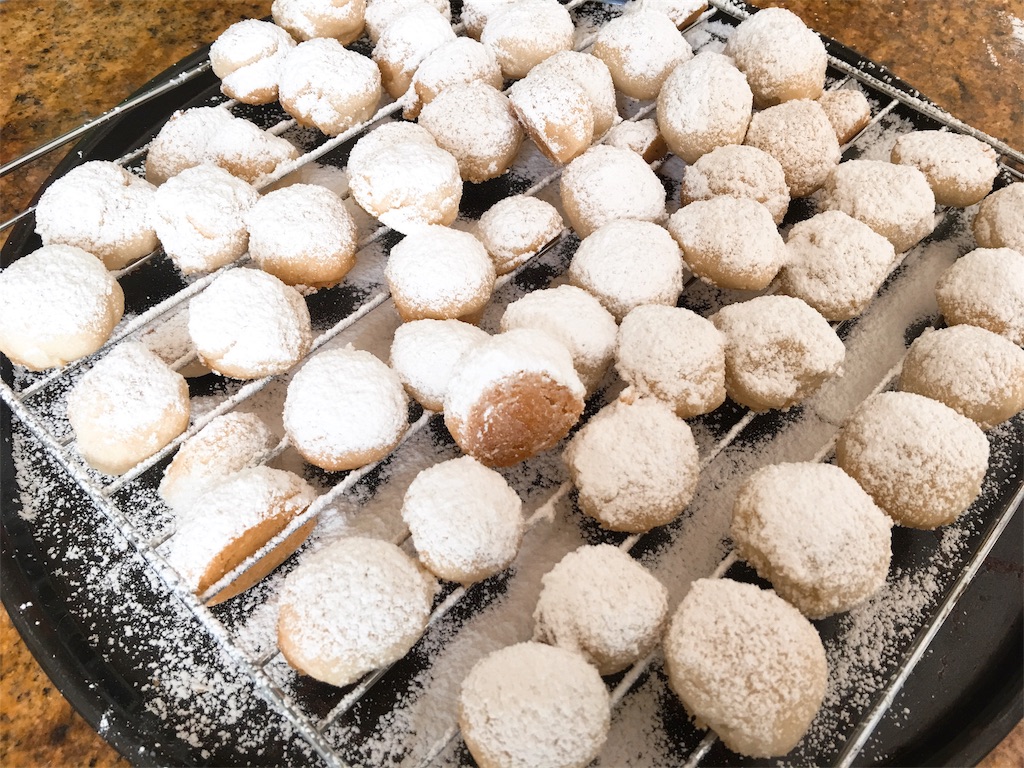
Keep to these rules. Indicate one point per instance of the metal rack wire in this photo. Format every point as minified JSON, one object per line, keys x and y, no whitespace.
{"x":316,"y":729}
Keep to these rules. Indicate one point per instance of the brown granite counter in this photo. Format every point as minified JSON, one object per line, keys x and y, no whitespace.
{"x":64,"y":61}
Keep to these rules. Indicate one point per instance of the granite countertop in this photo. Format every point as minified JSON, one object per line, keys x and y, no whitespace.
{"x":64,"y":62}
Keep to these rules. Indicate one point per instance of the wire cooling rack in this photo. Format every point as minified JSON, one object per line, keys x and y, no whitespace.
{"x":183,"y":682}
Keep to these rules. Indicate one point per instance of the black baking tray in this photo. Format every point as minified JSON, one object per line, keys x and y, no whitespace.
{"x":965,"y":695}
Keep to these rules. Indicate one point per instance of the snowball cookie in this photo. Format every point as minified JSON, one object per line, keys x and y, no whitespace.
{"x":232,"y":521}
{"x":399,"y":174}
{"x":524,"y":33}
{"x":213,"y":135}
{"x":556,"y":112}
{"x":466,"y":522}
{"x":461,"y":60}
{"x":634,"y":465}
{"x":747,"y":665}
{"x":248,"y":324}
{"x":974,"y":371}
{"x":640,"y":136}
{"x":439,"y":273}
{"x":512,"y":396}
{"x":848,"y":111}
{"x":344,"y":409}
{"x":672,"y":354}
{"x":592,"y":75}
{"x":327,"y":86}
{"x":515,"y":228}
{"x":354,"y":606}
{"x":985,"y":288}
{"x":306,"y":19}
{"x":780,"y":56}
{"x":424,"y":354}
{"x":811,"y":531}
{"x":736,"y":170}
{"x":57,"y":304}
{"x":601,"y":603}
{"x":476,"y":12}
{"x":999,"y":222}
{"x":798,"y":135}
{"x":921,"y":461}
{"x":576,"y":319}
{"x":627,"y":263}
{"x":608,"y":183}
{"x":247,"y":58}
{"x":641,"y":49}
{"x":959,"y":168}
{"x":731,"y":242}
{"x":407,"y":41}
{"x":704,"y":103}
{"x":474,"y":122}
{"x":303,"y":235}
{"x":682,"y":12}
{"x":835,"y":263}
{"x":894,"y":200}
{"x":228,"y":444}
{"x":101,"y":208}
{"x":531,"y":705}
{"x":126,"y":408}
{"x":778,"y":351}
{"x":380,"y":13}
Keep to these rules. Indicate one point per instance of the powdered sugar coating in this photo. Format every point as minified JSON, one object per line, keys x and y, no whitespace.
{"x":424,"y":354}
{"x":780,"y":56}
{"x":672,"y":354}
{"x":83,"y":302}
{"x":307,"y":19}
{"x":959,"y":168}
{"x":476,"y":12}
{"x":813,"y":532}
{"x":704,"y":103}
{"x":746,"y":664}
{"x":972,"y":370}
{"x":592,"y":75}
{"x":606,"y":184}
{"x":126,"y":408}
{"x":515,"y":228}
{"x":461,"y":60}
{"x":798,"y":135}
{"x":532,"y":704}
{"x":407,"y":41}
{"x":601,"y":603}
{"x":465,"y":520}
{"x":640,"y":136}
{"x":985,"y":288}
{"x":351,"y":607}
{"x":439,"y":273}
{"x":681,"y":12}
{"x":921,"y":461}
{"x":345,"y":408}
{"x":399,"y":174}
{"x":474,"y":122}
{"x":848,"y":110}
{"x":835,"y":263}
{"x":101,"y":208}
{"x":247,"y":58}
{"x":894,"y":200}
{"x":738,"y":170}
{"x":228,"y":444}
{"x":556,"y":112}
{"x":213,"y":135}
{"x":634,"y":464}
{"x":524,"y":33}
{"x":778,"y":351}
{"x":248,"y":324}
{"x":329,"y":87}
{"x":999,"y":222}
{"x":731,"y":242}
{"x":641,"y":49}
{"x":627,"y":263}
{"x":576,"y":319}
{"x":380,"y":13}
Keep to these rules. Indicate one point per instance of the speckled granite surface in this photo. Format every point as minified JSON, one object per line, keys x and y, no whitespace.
{"x":64,"y":61}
